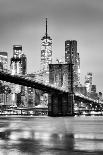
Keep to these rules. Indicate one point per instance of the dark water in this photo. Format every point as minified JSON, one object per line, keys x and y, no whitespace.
{"x":51,"y":136}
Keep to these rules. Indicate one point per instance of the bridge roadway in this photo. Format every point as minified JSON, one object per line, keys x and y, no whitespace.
{"x":60,"y":102}
{"x":41,"y":86}
{"x":29,"y":83}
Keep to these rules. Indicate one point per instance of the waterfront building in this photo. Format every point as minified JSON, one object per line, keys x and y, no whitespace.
{"x":72,"y":56}
{"x":46,"y":55}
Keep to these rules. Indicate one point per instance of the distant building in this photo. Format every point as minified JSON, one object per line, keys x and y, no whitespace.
{"x":4,"y":61}
{"x":18,"y":67}
{"x":4,"y":94}
{"x":100,"y":96}
{"x":92,"y":93}
{"x":81,"y":90}
{"x":72,"y":56}
{"x":18,"y":61}
{"x":30,"y":97}
{"x":88,"y":82}
{"x":46,"y":55}
{"x":93,"y":89}
{"x":23,"y":64}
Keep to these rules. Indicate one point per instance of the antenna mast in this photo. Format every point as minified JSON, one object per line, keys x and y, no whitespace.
{"x":46,"y":28}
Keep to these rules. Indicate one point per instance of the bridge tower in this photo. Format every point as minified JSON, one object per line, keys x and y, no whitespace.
{"x":61,"y":103}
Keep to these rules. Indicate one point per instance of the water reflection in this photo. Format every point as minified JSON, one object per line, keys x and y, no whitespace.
{"x":22,"y":137}
{"x":88,"y":142}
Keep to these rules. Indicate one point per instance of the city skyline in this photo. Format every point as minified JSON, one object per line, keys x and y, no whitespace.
{"x":23,"y":22}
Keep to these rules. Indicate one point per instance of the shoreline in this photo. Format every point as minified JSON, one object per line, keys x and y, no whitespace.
{"x":21,"y":116}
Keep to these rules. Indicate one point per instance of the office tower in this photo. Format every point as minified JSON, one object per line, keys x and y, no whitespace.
{"x":46,"y":55}
{"x":92,"y":93}
{"x":88,"y":82}
{"x":4,"y":95}
{"x":100,"y":96}
{"x":18,"y":67}
{"x":23,"y":64}
{"x":93,"y":89}
{"x":4,"y":61}
{"x":72,"y":56}
{"x":18,"y":61}
{"x":29,"y":93}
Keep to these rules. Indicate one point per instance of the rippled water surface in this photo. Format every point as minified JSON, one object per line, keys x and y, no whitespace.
{"x":51,"y":136}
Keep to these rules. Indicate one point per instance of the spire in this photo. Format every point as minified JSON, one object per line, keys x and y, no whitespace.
{"x":46,"y":29}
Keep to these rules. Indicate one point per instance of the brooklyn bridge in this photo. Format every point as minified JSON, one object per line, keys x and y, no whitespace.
{"x":61,"y":102}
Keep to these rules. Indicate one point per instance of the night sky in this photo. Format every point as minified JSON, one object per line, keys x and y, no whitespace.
{"x":22,"y":22}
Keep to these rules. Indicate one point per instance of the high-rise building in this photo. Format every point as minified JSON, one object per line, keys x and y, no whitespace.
{"x":18,"y":67}
{"x":4,"y":61}
{"x":4,"y":95}
{"x":93,"y":89}
{"x":29,"y":92}
{"x":17,"y":51}
{"x":18,"y":61}
{"x":88,"y":82}
{"x":72,"y":56}
{"x":23,"y":64}
{"x":100,"y":96}
{"x":46,"y":55}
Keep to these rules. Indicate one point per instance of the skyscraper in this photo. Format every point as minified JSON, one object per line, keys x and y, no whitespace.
{"x":18,"y":67}
{"x":88,"y":82}
{"x":23,"y":64}
{"x":18,"y":61}
{"x":93,"y":89}
{"x":4,"y":61}
{"x":46,"y":54}
{"x":72,"y":56}
{"x":4,"y":67}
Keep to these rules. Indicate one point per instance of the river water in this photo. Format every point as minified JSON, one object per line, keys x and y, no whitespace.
{"x":51,"y":136}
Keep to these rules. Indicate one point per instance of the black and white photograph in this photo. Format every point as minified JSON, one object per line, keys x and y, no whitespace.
{"x":51,"y":77}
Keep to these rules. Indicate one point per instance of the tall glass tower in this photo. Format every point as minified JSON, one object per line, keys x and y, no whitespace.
{"x":46,"y":51}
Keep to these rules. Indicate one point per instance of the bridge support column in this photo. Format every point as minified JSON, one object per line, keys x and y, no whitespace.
{"x":70,"y":104}
{"x":60,"y":104}
{"x":54,"y":108}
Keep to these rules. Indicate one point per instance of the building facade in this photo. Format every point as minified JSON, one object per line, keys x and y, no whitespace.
{"x":18,"y":67}
{"x":72,"y":56}
{"x":4,"y":61}
{"x":18,"y":61}
{"x":4,"y":86}
{"x":88,"y":82}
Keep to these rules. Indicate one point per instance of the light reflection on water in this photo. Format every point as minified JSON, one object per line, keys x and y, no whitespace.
{"x":51,"y":136}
